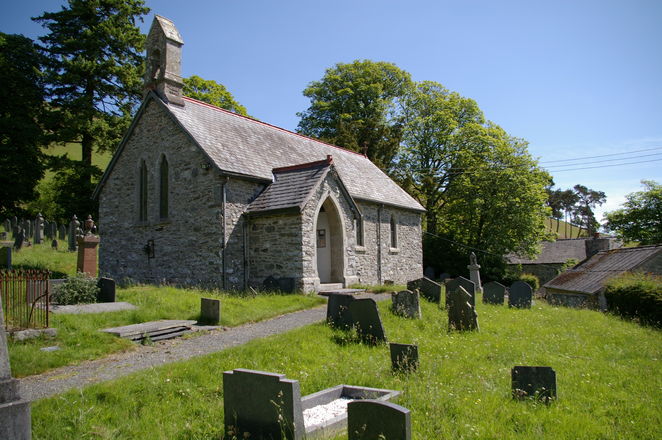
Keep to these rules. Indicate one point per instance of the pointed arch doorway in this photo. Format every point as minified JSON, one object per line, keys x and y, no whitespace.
{"x":329,"y":243}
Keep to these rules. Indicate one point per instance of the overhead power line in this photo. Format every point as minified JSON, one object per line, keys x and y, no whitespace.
{"x":605,"y":166}
{"x":604,"y":160}
{"x":602,"y":155}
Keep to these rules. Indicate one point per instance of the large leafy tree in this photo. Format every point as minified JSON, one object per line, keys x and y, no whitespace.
{"x":355,"y":106}
{"x":94,"y":72}
{"x":640,"y":218}
{"x":21,"y":115}
{"x":587,"y":200}
{"x":213,"y":93}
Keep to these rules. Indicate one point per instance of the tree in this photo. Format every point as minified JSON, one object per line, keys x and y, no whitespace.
{"x":355,"y":106}
{"x":213,"y":93}
{"x":640,"y":219}
{"x":21,"y":115}
{"x":587,"y":200}
{"x":94,"y":72}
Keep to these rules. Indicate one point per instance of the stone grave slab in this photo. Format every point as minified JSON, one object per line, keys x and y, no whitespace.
{"x":373,"y":419}
{"x":520,"y":295}
{"x":466,"y":284}
{"x":155,"y":330}
{"x":5,"y":257}
{"x":210,"y":310}
{"x":406,"y":303}
{"x":366,"y":319}
{"x":337,"y":309}
{"x":77,"y":309}
{"x":106,"y":290}
{"x":533,"y":382}
{"x":461,"y":314}
{"x":429,"y":289}
{"x":404,"y":357}
{"x":494,"y":293}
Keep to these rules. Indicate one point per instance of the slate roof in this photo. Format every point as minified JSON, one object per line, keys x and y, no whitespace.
{"x":590,"y":275}
{"x":243,"y":146}
{"x":554,"y":252}
{"x":292,"y":187}
{"x":169,"y":28}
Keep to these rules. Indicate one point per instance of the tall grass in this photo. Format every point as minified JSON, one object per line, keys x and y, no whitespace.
{"x":61,"y":262}
{"x":608,"y":370}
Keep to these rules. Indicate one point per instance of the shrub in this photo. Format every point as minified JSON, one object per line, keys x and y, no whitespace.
{"x":77,"y":289}
{"x":531,"y":280}
{"x":636,"y":296}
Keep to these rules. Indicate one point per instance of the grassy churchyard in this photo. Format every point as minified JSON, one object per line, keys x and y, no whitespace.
{"x":608,"y":370}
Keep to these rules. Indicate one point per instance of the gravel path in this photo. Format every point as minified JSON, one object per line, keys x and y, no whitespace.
{"x":161,"y":353}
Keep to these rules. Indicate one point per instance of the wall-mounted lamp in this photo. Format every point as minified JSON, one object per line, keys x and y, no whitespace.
{"x":149,"y":249}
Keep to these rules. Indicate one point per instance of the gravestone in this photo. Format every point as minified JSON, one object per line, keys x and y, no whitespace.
{"x":429,"y":289}
{"x":444,"y":276}
{"x":62,"y":232}
{"x":494,"y":293}
{"x":519,"y":295}
{"x":261,"y":405}
{"x":19,"y":238}
{"x":406,"y":303}
{"x":365,"y":317}
{"x":466,"y":284}
{"x":7,"y":225}
{"x":461,"y":314}
{"x":374,"y":419}
{"x":106,"y":290}
{"x":54,"y":245}
{"x":474,"y":272}
{"x":429,"y":272}
{"x":533,"y":382}
{"x":404,"y":357}
{"x":337,"y":310}
{"x":29,"y":228}
{"x":47,"y":230}
{"x":210,"y":311}
{"x":15,"y":420}
{"x":38,"y":229}
{"x":5,"y":257}
{"x":74,"y":227}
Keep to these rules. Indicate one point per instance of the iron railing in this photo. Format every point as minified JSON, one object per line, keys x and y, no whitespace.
{"x":25,"y":298}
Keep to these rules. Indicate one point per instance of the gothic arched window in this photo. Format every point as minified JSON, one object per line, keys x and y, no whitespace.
{"x":394,"y":232}
{"x":142,"y":193}
{"x":163,"y":188}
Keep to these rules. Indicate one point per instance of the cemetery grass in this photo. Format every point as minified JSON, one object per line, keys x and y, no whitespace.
{"x":79,"y":338}
{"x":608,"y":375}
{"x":61,"y":263}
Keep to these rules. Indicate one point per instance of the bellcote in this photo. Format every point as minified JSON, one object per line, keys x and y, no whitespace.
{"x":163,"y":72}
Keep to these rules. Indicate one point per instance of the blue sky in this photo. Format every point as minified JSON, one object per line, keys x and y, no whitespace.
{"x":574,"y":78}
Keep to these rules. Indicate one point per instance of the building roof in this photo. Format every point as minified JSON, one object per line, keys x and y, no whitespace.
{"x":554,"y":252}
{"x":243,"y":146}
{"x":590,"y":275}
{"x":168,"y":28}
{"x":292,"y":187}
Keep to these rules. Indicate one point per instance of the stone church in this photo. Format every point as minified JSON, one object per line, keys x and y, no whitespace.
{"x":197,"y":195}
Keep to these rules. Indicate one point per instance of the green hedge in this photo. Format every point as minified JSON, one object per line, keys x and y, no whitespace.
{"x":528,"y":278}
{"x":636,"y":296}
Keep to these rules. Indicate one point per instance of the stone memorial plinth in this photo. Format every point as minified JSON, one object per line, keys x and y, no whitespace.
{"x":474,"y":273}
{"x":87,"y":254}
{"x":15,"y":418}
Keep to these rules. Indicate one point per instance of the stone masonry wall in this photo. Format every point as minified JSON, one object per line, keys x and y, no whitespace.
{"x":187,"y":245}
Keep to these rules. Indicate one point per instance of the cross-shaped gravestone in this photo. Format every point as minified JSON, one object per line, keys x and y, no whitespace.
{"x":533,"y":382}
{"x":466,"y":284}
{"x":406,"y":303}
{"x":519,"y":295}
{"x":493,"y":293}
{"x":404,"y":357}
{"x":365,"y":317}
{"x":429,"y":289}
{"x":375,"y":419}
{"x":461,"y":314}
{"x":261,"y":405}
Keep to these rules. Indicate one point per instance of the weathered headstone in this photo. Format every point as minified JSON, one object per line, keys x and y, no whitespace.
{"x":466,"y":284}
{"x":38,"y":229}
{"x":7,"y":226}
{"x":494,"y":293}
{"x":404,"y":357}
{"x":5,"y":257}
{"x":533,"y":382}
{"x":54,"y":244}
{"x":520,"y":295}
{"x":19,"y":238}
{"x":62,"y":232}
{"x":429,"y":272}
{"x":47,"y":229}
{"x":429,"y":289}
{"x":74,"y":226}
{"x":29,"y":228}
{"x":337,"y":310}
{"x":461,"y":314}
{"x":262,"y":405}
{"x":210,"y":311}
{"x":474,"y":272}
{"x":365,"y":317}
{"x":374,"y":419}
{"x":15,"y":419}
{"x":106,"y":290}
{"x":406,"y":303}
